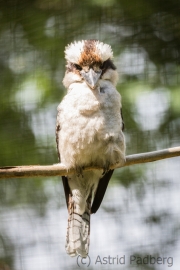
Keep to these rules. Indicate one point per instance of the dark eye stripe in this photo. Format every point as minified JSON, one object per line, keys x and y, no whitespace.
{"x":78,"y":67}
{"x":108,"y":64}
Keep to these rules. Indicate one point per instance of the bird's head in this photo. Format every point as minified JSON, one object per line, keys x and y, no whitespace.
{"x":89,"y":61}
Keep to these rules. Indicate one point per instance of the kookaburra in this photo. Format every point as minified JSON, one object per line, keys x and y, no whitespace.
{"x":88,"y":133}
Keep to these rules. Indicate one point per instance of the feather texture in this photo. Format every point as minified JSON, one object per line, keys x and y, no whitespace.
{"x":79,"y":208}
{"x":77,"y":239}
{"x":95,"y":48}
{"x":88,"y":133}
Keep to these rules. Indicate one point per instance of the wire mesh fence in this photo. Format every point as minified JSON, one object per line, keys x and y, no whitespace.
{"x":140,"y":214}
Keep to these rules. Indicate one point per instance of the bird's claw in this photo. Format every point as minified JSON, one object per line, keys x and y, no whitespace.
{"x":79,"y":171}
{"x":106,"y":168}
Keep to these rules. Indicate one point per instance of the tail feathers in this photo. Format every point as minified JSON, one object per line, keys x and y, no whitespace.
{"x":78,"y":231}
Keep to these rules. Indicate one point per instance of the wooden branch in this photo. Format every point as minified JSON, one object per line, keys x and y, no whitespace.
{"x":59,"y":169}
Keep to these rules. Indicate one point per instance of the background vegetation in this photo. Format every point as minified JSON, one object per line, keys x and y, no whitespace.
{"x":141,"y":208}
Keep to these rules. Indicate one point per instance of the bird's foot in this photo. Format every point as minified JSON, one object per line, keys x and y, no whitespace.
{"x":79,"y":170}
{"x":106,"y":168}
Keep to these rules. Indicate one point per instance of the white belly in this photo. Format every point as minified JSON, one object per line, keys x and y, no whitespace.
{"x":91,"y":126}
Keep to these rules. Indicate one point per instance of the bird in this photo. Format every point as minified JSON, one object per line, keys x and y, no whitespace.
{"x":89,"y":132}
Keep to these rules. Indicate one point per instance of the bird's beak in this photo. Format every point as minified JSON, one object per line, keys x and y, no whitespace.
{"x":91,"y":77}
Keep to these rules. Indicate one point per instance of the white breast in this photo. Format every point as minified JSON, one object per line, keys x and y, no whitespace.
{"x":91,"y":126}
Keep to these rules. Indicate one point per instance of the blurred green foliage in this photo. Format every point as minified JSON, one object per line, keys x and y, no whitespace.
{"x":33,"y":35}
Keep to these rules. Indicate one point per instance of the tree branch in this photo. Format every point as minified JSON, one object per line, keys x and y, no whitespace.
{"x":59,"y":169}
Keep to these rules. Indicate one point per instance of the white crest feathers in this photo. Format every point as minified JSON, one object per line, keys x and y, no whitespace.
{"x":73,"y":51}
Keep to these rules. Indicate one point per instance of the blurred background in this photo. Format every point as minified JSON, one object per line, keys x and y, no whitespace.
{"x":140,"y":214}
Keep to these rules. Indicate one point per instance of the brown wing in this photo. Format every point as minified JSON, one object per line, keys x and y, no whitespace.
{"x":67,"y":190}
{"x":58,"y":128}
{"x":64,"y":178}
{"x":101,"y":189}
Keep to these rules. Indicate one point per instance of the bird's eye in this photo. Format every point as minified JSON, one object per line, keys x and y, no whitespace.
{"x":78,"y":67}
